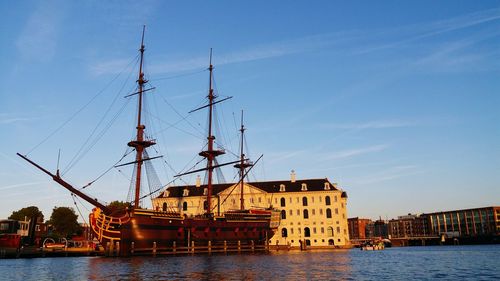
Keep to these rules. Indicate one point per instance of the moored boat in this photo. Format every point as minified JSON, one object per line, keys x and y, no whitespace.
{"x":136,"y":227}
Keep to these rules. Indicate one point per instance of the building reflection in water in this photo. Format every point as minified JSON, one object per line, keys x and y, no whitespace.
{"x":317,"y":265}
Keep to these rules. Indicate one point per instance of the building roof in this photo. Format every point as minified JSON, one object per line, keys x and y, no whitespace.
{"x":267,"y":186}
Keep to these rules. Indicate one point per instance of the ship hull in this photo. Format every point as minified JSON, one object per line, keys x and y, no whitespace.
{"x":140,"y":230}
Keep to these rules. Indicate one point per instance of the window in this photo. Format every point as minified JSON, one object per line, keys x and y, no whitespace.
{"x":313,"y":212}
{"x":299,"y":230}
{"x":327,"y":186}
{"x":298,"y":212}
{"x":327,"y":200}
{"x":205,"y":191}
{"x":306,"y":214}
{"x":329,"y":231}
{"x":328,"y":213}
{"x":283,"y":202}
{"x":283,"y":215}
{"x":304,"y":201}
{"x":260,"y":200}
{"x":336,"y":211}
{"x":307,"y":232}
{"x":291,"y":212}
{"x":322,"y":230}
{"x":320,"y":199}
{"x":321,"y":211}
{"x":186,"y":192}
{"x":291,"y":230}
{"x":185,"y":206}
{"x":304,"y":187}
{"x":284,"y":232}
{"x":297,"y":199}
{"x":312,"y":199}
{"x":164,"y":207}
{"x":314,"y":230}
{"x":338,"y":229}
{"x":282,"y":188}
{"x":335,"y":198}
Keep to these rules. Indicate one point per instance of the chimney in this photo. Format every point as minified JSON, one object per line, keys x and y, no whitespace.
{"x":292,"y":176}
{"x":198,"y":181}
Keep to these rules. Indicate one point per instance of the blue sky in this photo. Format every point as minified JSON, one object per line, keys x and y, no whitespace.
{"x":396,"y":101}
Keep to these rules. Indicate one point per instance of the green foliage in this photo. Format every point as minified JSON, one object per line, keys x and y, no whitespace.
{"x":64,"y":221}
{"x":118,"y":206}
{"x":27,"y":213}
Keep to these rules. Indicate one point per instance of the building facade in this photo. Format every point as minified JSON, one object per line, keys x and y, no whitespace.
{"x":408,"y":226}
{"x":358,"y":228}
{"x":313,"y":211}
{"x":469,"y":222}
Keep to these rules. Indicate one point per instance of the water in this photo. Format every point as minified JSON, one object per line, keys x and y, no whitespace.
{"x":415,"y":263}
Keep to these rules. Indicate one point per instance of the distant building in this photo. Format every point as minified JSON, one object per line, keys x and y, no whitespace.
{"x":466,"y":223}
{"x":408,"y":226}
{"x":380,"y":229}
{"x":313,"y":211}
{"x":358,"y":228}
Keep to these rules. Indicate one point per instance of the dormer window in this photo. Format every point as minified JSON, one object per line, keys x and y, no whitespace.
{"x":282,"y":188}
{"x":327,"y":186}
{"x":304,"y":187}
{"x":205,"y":191}
{"x":186,"y":192}
{"x":166,"y":193}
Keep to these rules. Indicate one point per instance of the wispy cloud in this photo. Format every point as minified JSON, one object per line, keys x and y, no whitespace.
{"x":357,"y":151}
{"x":253,"y":53}
{"x":415,"y":32}
{"x":390,"y":174}
{"x":12,"y":120}
{"x":18,"y":185}
{"x":377,"y":124}
{"x":38,"y":40}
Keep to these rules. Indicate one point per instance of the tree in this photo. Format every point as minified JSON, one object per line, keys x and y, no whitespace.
{"x":27,"y":213}
{"x":118,"y":206}
{"x":64,"y":221}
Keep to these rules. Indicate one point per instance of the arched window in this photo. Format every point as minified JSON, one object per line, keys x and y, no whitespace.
{"x":330,"y":242}
{"x":327,"y":200}
{"x":304,"y":201}
{"x":306,"y":214}
{"x":328,"y":213}
{"x":283,"y":214}
{"x":329,"y":231}
{"x":283,"y":202}
{"x":284,"y":232}
{"x":164,"y":207}
{"x":185,"y":206}
{"x":307,"y":232}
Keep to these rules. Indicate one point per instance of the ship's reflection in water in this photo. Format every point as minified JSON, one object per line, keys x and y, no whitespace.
{"x":276,"y":265}
{"x":407,"y":263}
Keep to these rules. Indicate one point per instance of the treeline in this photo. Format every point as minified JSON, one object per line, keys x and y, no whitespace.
{"x":63,"y":221}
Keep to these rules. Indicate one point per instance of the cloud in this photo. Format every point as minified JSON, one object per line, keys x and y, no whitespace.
{"x":12,"y":120}
{"x":18,"y":185}
{"x":378,"y":124}
{"x":38,"y":39}
{"x":389,"y":174}
{"x":253,"y":53}
{"x":357,"y":151}
{"x":420,"y":31}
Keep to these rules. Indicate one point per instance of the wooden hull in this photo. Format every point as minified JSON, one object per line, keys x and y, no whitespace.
{"x":141,"y":229}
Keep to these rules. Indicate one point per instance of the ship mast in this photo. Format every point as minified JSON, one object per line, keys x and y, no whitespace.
{"x":242,"y":165}
{"x":210,"y":153}
{"x":139,"y":144}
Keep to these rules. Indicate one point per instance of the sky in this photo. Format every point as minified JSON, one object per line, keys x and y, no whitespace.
{"x":395,"y":101}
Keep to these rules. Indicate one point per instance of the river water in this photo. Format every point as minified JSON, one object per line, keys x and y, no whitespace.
{"x":407,"y":263}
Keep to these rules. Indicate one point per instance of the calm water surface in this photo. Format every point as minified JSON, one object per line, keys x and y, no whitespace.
{"x":410,"y":263}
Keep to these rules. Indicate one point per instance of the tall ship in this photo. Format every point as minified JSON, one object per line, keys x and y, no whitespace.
{"x":136,"y":227}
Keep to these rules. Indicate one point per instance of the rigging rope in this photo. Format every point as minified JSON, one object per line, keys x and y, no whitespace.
{"x":80,"y":110}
